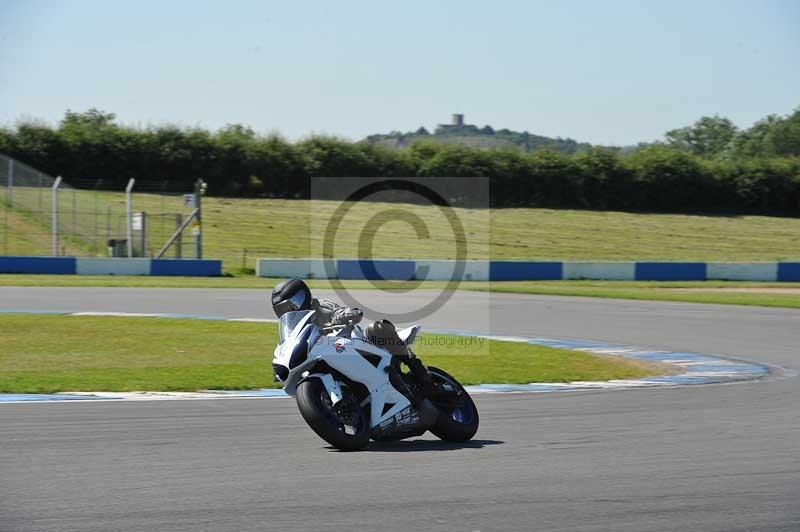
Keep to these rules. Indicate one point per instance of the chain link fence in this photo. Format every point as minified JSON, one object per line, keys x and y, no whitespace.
{"x":43,"y":215}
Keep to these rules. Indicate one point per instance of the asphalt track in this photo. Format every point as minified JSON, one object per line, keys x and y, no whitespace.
{"x":710,"y":458}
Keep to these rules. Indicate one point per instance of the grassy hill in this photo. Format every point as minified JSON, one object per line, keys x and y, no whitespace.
{"x":22,"y":233}
{"x":295,"y":228}
{"x":482,"y":138}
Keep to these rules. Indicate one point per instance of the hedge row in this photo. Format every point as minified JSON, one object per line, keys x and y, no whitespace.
{"x":236,"y":162}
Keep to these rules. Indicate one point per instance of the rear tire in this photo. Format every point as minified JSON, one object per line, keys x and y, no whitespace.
{"x":459,"y":422}
{"x":348,"y":431}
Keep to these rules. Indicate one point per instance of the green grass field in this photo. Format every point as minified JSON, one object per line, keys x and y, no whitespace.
{"x":47,"y":353}
{"x":295,"y":228}
{"x":25,"y":233}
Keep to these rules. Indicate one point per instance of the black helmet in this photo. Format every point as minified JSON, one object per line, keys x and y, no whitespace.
{"x":291,"y":295}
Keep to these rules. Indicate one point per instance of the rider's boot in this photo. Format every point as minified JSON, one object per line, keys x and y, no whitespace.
{"x":429,"y":389}
{"x":399,"y":384}
{"x":421,"y":374}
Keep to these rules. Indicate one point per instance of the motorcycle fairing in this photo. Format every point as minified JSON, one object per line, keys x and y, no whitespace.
{"x":345,"y":354}
{"x":352,"y":364}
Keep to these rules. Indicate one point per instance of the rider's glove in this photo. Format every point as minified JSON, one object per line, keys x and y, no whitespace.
{"x":346,"y":316}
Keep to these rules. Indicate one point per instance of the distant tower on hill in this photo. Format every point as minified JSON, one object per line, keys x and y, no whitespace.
{"x":457,"y":120}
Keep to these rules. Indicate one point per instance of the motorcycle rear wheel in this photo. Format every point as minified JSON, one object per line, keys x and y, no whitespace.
{"x":344,"y":425}
{"x":458,"y":420}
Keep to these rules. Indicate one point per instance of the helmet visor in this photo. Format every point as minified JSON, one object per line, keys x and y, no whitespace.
{"x":295,"y":302}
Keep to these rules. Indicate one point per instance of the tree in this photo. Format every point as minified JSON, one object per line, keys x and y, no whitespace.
{"x":773,"y":136}
{"x":708,"y":137}
{"x":784,"y":137}
{"x":753,"y":142}
{"x":92,"y":118}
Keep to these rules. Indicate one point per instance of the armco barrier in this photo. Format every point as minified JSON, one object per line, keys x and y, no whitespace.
{"x":509,"y":270}
{"x":119,"y":266}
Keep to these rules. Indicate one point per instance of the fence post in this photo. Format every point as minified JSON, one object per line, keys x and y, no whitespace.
{"x":179,"y":240}
{"x":108,"y":226}
{"x":144,"y":234}
{"x":10,"y":182}
{"x":74,"y":213}
{"x":199,"y":190}
{"x":129,"y":216}
{"x":39,"y":188}
{"x":96,"y":229}
{"x":5,"y":231}
{"x":56,"y":184}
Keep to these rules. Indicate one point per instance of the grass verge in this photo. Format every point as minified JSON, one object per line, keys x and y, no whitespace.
{"x":46,"y":353}
{"x":714,"y":292}
{"x":717,"y":292}
{"x":295,"y":228}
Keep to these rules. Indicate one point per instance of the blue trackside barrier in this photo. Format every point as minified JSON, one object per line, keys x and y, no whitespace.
{"x":525,"y":271}
{"x":670,"y":271}
{"x":116,"y":266}
{"x":376,"y":270}
{"x":45,"y":265}
{"x":789,"y":271}
{"x":186,"y":267}
{"x":510,"y":270}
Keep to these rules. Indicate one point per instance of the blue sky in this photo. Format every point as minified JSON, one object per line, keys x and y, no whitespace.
{"x":614,"y":72}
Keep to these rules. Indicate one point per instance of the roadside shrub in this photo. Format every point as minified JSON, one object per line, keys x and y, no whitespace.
{"x":236,"y":161}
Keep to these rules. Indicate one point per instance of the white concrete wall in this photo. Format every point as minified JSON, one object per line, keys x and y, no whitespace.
{"x":616,"y":271}
{"x":742,"y":271}
{"x":303,"y":268}
{"x":442,"y":270}
{"x":118,"y":266}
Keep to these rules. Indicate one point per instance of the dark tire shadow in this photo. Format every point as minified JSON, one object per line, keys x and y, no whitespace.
{"x":413,"y":446}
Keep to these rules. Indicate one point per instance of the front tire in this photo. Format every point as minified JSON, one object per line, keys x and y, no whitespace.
{"x":458,"y":419}
{"x":344,"y":425}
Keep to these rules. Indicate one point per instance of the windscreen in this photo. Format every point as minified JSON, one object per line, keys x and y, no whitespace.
{"x":289,"y":321}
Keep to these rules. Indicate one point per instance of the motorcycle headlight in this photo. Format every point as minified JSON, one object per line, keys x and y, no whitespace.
{"x":281,"y":372}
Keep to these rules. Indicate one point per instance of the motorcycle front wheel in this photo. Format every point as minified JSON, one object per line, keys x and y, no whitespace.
{"x":458,"y":417}
{"x":344,"y":425}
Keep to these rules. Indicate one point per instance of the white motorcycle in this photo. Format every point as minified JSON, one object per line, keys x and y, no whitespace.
{"x":350,"y":391}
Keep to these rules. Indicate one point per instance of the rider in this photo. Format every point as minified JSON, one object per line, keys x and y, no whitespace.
{"x":294,"y":294}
